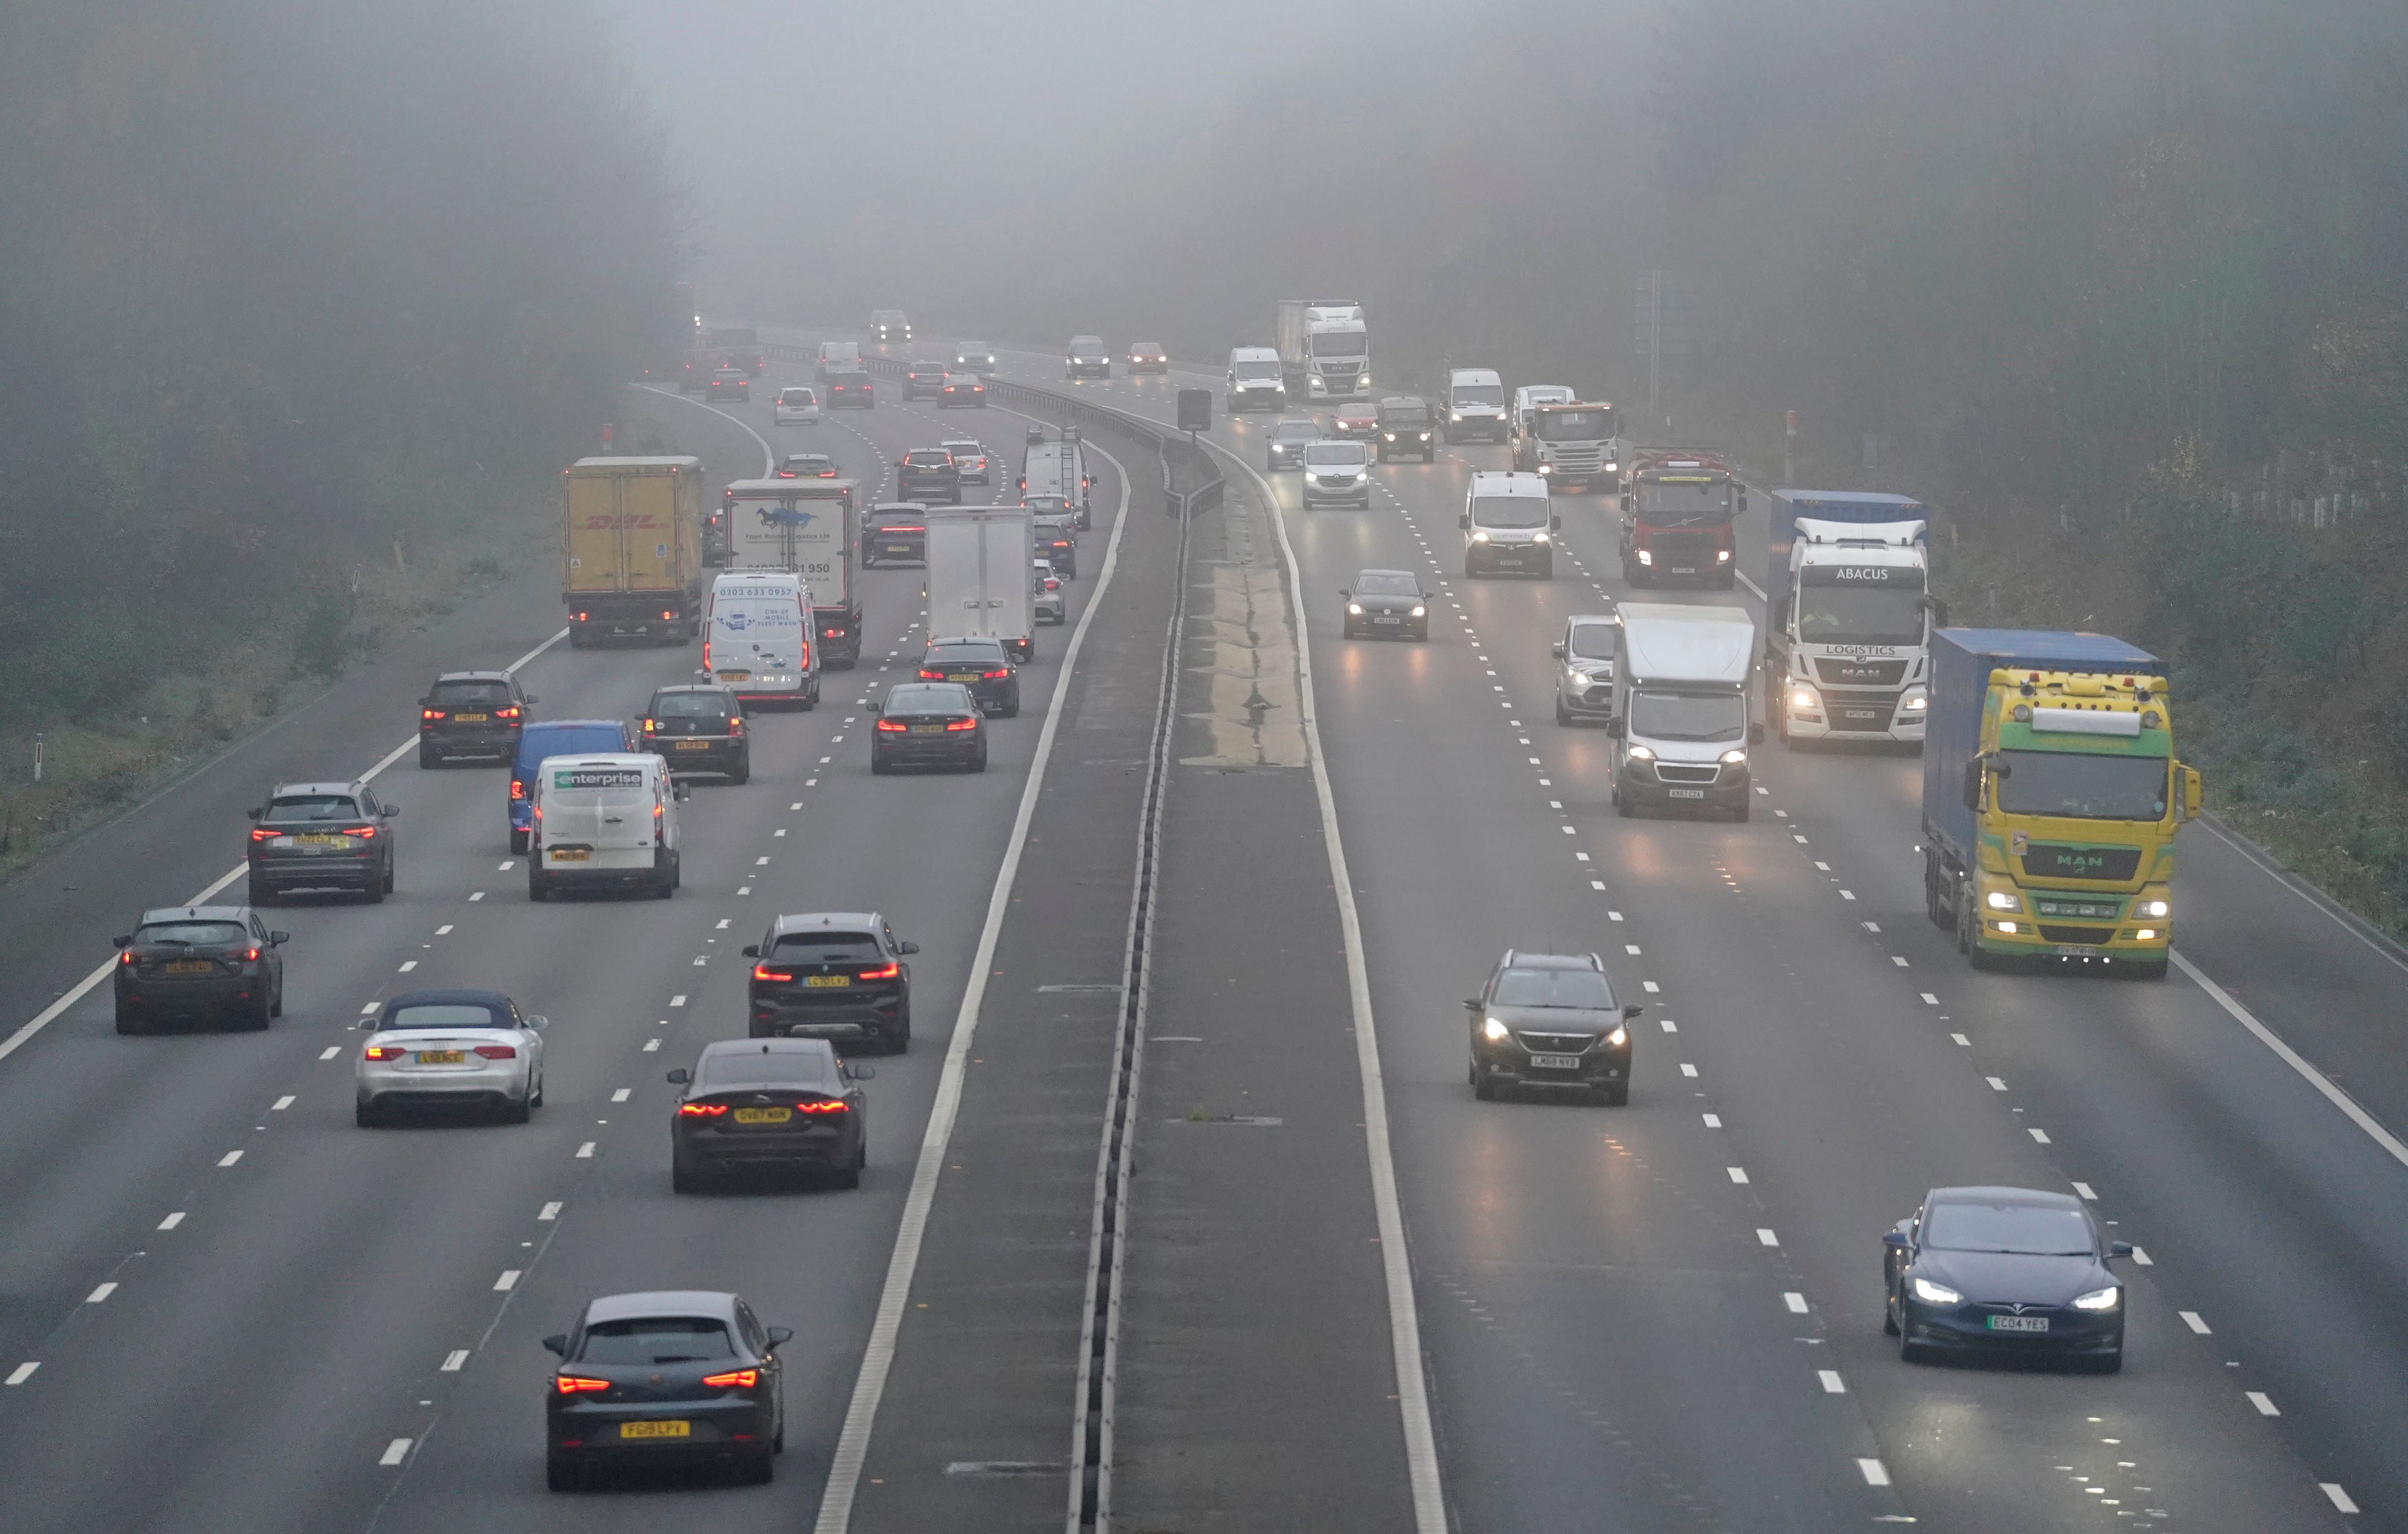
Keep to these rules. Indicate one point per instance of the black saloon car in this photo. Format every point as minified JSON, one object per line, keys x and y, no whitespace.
{"x":1550,"y":1020}
{"x":1385,"y":604}
{"x":837,"y":975}
{"x":699,"y":728}
{"x":320,"y":836}
{"x":730,"y":383}
{"x":2003,"y":1270}
{"x":767,"y":1105}
{"x":922,"y":380}
{"x":1085,"y":357}
{"x":898,"y":534}
{"x":927,"y":474}
{"x":674,"y":1377}
{"x":928,"y":724}
{"x":982,"y":666}
{"x":852,"y":390}
{"x":200,"y":963}
{"x":1408,"y":429}
{"x":962,"y":392}
{"x":1288,"y":441}
{"x":471,"y":713}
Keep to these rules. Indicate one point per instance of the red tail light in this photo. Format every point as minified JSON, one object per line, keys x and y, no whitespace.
{"x":994,"y":676}
{"x":735,"y":727}
{"x":126,"y":957}
{"x":261,"y":833}
{"x":250,"y":955}
{"x":883,"y":971}
{"x":385,"y":1052}
{"x":497,"y":1052}
{"x":518,"y":788}
{"x":823,"y":1105}
{"x":963,"y":725}
{"x":510,"y":712}
{"x":701,"y":1110}
{"x":735,"y":1379}
{"x":359,"y":831}
{"x":891,"y":727}
{"x":762,"y":972}
{"x":572,"y":1384}
{"x":430,"y":713}
{"x":927,"y":674}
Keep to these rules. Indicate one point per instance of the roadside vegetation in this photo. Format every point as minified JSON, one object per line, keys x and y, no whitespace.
{"x":303,"y":309}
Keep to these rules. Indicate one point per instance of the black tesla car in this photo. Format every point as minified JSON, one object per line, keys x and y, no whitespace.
{"x":837,"y":975}
{"x":769,"y":1105}
{"x":670,"y":1377}
{"x":199,"y":963}
{"x":2003,"y":1270}
{"x":1385,"y":604}
{"x":1550,"y":1020}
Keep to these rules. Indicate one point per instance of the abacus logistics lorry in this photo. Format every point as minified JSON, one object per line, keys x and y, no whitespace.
{"x":1845,"y":654}
{"x":2051,"y":796}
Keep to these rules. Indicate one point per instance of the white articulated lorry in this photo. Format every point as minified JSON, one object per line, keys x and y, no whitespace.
{"x":979,"y":585}
{"x":1325,"y":347}
{"x":1847,"y":651}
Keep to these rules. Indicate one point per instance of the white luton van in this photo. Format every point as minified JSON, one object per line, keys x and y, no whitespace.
{"x":757,"y":638}
{"x":608,"y":820}
{"x":1681,"y":707}
{"x":978,"y":567}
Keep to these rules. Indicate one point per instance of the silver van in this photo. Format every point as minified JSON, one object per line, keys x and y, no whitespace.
{"x":604,"y":820}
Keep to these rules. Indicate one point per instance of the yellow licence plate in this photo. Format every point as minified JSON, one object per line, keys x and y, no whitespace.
{"x":316,"y":839}
{"x":656,"y":1429}
{"x":190,"y":966}
{"x":764,"y":1115}
{"x":927,"y":729}
{"x":826,"y":981}
{"x":736,"y":676}
{"x":471,"y":719}
{"x":442,"y":1056}
{"x":962,"y":676}
{"x":693,"y":745}
{"x":571,"y":855}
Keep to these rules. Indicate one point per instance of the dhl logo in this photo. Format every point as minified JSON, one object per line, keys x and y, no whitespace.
{"x":601,"y":522}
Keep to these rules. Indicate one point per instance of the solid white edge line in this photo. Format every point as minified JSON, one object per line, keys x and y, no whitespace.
{"x":2290,"y":1057}
{"x":1404,"y":1318}
{"x":878,"y":1357}
{"x":768,"y":454}
{"x":2316,"y":899}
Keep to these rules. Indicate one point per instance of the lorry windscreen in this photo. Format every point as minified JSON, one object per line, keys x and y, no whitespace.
{"x":1859,"y":616}
{"x":1689,"y":716}
{"x":1342,"y":343}
{"x":1573,"y":426}
{"x":2082,"y":785}
{"x":1691,"y":503}
{"x":1508,"y":511}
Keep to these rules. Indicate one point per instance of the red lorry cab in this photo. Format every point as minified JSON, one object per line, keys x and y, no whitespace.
{"x":1676,"y":518}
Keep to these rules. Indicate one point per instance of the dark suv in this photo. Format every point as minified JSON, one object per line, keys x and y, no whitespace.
{"x":699,"y":728}
{"x":1550,"y":1020}
{"x":1056,"y":530}
{"x":321,"y":836}
{"x":1407,"y":428}
{"x":836,"y":975}
{"x":1085,"y":357}
{"x":898,"y":533}
{"x":199,"y":961}
{"x":982,"y":666}
{"x":923,"y":379}
{"x":471,"y":713}
{"x":927,"y":474}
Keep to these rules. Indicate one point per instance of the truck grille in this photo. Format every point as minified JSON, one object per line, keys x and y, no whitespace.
{"x":2045,"y":860}
{"x":1847,"y":671}
{"x":1581,"y":459}
{"x":1682,"y":554}
{"x":1667,"y":772}
{"x":2077,"y":934}
{"x":1851,"y":710}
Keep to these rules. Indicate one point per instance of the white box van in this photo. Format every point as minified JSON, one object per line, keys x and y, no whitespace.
{"x":604,"y":821}
{"x":1475,"y":405}
{"x":1681,"y":708}
{"x":1509,"y":524}
{"x":839,"y":357}
{"x":757,"y":635}
{"x":979,"y":560}
{"x":1256,"y":379}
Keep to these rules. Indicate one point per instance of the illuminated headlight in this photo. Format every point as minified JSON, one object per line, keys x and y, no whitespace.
{"x":1478,"y":536}
{"x":2002,"y":900}
{"x":1354,"y":610}
{"x":1936,"y":1294}
{"x":1458,"y":416}
{"x":1612,"y":467}
{"x":1494,"y":1030}
{"x":1425,"y":436}
{"x":1366,"y":380}
{"x":1421,"y":612}
{"x":1640,"y":754}
{"x":1646,"y":556}
{"x":1619,"y":1037}
{"x":1805,"y":700}
{"x":1546,"y":469}
{"x":2157,"y":908}
{"x":1391,"y":436}
{"x":1734,"y":758}
{"x":2007,"y":927}
{"x":1722,"y":556}
{"x":1916,"y":704}
{"x":2147,"y":935}
{"x":2100,"y":1299}
{"x":1539,"y":536}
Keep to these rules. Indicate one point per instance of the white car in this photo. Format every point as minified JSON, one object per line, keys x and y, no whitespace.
{"x":970,"y":464}
{"x":1052,"y":607}
{"x":450,"y":1049}
{"x":798,"y":407}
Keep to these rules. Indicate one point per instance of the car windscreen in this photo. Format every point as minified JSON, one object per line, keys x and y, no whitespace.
{"x":950,"y":698}
{"x":655,"y":1340}
{"x":808,"y":463}
{"x":1146,"y":348}
{"x":1086,"y":343}
{"x":1256,"y":369}
{"x":1573,"y":426}
{"x":794,"y":396}
{"x":541,"y":740}
{"x":851,"y":380}
{"x":1590,"y":642}
{"x":794,"y":1072}
{"x":1508,"y":511}
{"x":965,"y":655}
{"x":965,"y":449}
{"x":827,"y":948}
{"x":1404,"y":415}
{"x":2032,"y":1230}
{"x":1295,"y":431}
{"x":1335,"y":454}
{"x":1385,"y":583}
{"x":1479,"y":393}
{"x":2082,"y":785}
{"x":443,"y":1014}
{"x":314,"y":807}
{"x":1689,"y":716}
{"x":192,"y":934}
{"x":928,"y":458}
{"x":694,"y":706}
{"x":456,"y":692}
{"x":1553,"y":988}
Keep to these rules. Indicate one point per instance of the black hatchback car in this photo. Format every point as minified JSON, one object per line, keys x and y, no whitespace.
{"x":320,"y":836}
{"x":1288,"y":441}
{"x":852,"y":391}
{"x":837,"y":975}
{"x":1407,"y":428}
{"x":200,"y":963}
{"x":471,"y":713}
{"x":927,"y":474}
{"x":699,"y":728}
{"x":673,"y":1377}
{"x":2003,"y":1270}
{"x":982,"y":666}
{"x":928,"y":724}
{"x":1385,"y":604}
{"x":897,"y":534}
{"x":1550,"y":1020}
{"x":769,"y":1105}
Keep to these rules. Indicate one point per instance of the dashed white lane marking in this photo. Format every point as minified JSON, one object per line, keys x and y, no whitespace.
{"x":2263,"y":1403}
{"x":1612,"y":915}
{"x":585,"y":1151}
{"x":2142,"y":1258}
{"x":651,"y":1044}
{"x":1651,"y":988}
{"x":102,"y":1293}
{"x":677,"y":1001}
{"x":1832,"y":1384}
{"x":2039,"y":1134}
{"x":1997,"y":1084}
{"x":1899,"y":959}
{"x":509,"y":863}
{"x":2333,"y":1493}
{"x":475,"y":894}
{"x":455,"y":1360}
{"x":395,"y":1452}
{"x":1687,"y":1070}
{"x":407,"y":965}
{"x":1671,"y":1027}
{"x":2088,"y":1193}
{"x":701,"y":958}
{"x":2191,"y":1319}
{"x":796,"y":805}
{"x":1738,"y":1174}
{"x":23,"y":1371}
{"x":1931,"y":1001}
{"x":1875,"y":1472}
{"x":1849,"y":895}
{"x":548,"y":1212}
{"x":722,"y":926}
{"x":1596,"y":883}
{"x":1962,"y":1039}
{"x":508,"y":1281}
{"x":1764,"y":1237}
{"x":172,"y":1221}
{"x":779,"y":832}
{"x":330,"y":1052}
{"x":1796,"y":1301}
{"x":744,"y":889}
{"x":443,"y":931}
{"x":366,"y":1008}
{"x":280,"y":1104}
{"x":621,"y":1096}
{"x":760,"y":862}
{"x":1713,"y":1121}
{"x":229,"y":1158}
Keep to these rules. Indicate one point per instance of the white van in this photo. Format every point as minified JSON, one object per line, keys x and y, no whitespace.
{"x":606,"y":820}
{"x":757,"y":636}
{"x":839,"y":357}
{"x":1475,"y":405}
{"x":1509,"y":524}
{"x":1256,"y":382}
{"x":1528,"y":397}
{"x":1057,"y":471}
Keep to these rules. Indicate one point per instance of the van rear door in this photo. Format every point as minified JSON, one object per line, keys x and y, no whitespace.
{"x":597,"y":813}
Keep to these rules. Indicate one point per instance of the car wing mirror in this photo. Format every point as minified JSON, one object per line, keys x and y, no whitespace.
{"x":1632,"y":1010}
{"x":2120,"y":1249}
{"x":680,"y":1077}
{"x":752,"y":951}
{"x":126,"y":942}
{"x":683,"y":793}
{"x":2192,"y":800}
{"x":277,"y":939}
{"x":907,"y":947}
{"x":1472,"y":1004}
{"x":367,"y":1025}
{"x":780,"y":1337}
{"x":1614,"y":728}
{"x":1974,"y":783}
{"x":531,"y":699}
{"x":388,"y":812}
{"x":1556,"y":651}
{"x":1463,"y":521}
{"x":861,"y":1073}
{"x":1346,"y":591}
{"x":536,"y":1023}
{"x":253,"y":814}
{"x":1555,"y":525}
{"x":557,"y":1342}
{"x":1894,"y":1239}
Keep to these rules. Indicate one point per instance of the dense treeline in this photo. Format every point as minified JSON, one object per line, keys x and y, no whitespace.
{"x":282,"y":284}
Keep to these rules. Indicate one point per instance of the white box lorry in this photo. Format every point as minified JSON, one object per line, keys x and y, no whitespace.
{"x":978,"y":564}
{"x":812,"y":528}
{"x":1681,"y":716}
{"x":1325,"y":347}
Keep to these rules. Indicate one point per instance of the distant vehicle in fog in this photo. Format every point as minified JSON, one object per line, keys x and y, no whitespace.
{"x":1085,"y":358}
{"x":1255,"y":381}
{"x":1324,"y":349}
{"x":889,"y":327}
{"x":1148,"y":357}
{"x":838,"y":357}
{"x":796,"y":406}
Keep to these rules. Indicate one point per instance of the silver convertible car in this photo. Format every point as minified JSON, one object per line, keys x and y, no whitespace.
{"x":450,"y":1048}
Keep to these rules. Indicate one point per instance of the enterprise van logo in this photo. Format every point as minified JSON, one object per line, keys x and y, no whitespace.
{"x":598,"y":777}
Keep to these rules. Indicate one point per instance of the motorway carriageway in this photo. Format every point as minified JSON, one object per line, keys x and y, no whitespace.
{"x":223,"y":1307}
{"x":1668,"y":1316}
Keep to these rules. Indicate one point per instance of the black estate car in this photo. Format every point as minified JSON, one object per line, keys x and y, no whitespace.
{"x":199,"y":963}
{"x":1550,"y":1020}
{"x":1388,"y":604}
{"x":837,"y":975}
{"x":672,"y":1377}
{"x":471,"y":713}
{"x":700,"y":727}
{"x":982,"y":666}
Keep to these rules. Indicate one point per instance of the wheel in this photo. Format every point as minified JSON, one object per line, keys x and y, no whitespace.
{"x":1615,"y":1094}
{"x":366,"y":1115}
{"x":1889,"y":1317}
{"x":2147,"y":971}
{"x":899,"y":1041}
{"x":577,"y":636}
{"x":777,"y":1442}
{"x":375,"y":892}
{"x":1562,"y":715}
{"x":256,"y":1020}
{"x":684,"y":1179}
{"x":390,"y":873}
{"x":849,"y":1176}
{"x":276,"y":1009}
{"x":1730,"y":578}
{"x":1622,"y":806}
{"x":978,"y":762}
{"x":1469,"y":573}
{"x":1940,"y":915}
{"x":1483,"y":1087}
{"x":743,"y":773}
{"x":758,"y":1470}
{"x":559,"y":1473}
{"x":519,"y":842}
{"x":257,"y":894}
{"x":1909,"y":1351}
{"x":129,"y":1022}
{"x":878,"y":766}
{"x":2110,"y":1364}
{"x":536,"y":1099}
{"x":517,"y":1113}
{"x":1012,"y":710}
{"x":1634,"y":574}
{"x":536,"y":888}
{"x":1739,"y":815}
{"x":429,"y":757}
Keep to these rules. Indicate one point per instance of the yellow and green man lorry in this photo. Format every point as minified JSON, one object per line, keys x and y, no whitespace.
{"x":2051,"y":796}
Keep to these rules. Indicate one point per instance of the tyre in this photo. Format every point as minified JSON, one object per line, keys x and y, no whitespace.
{"x":375,"y":892}
{"x":1011,"y":711}
{"x":899,"y":1041}
{"x":129,"y":1022}
{"x":2110,"y":1364}
{"x":1483,"y":1087}
{"x":1730,"y":579}
{"x":1634,"y":574}
{"x":742,"y":774}
{"x":519,"y":844}
{"x":577,"y":636}
{"x":560,"y":1472}
{"x":878,"y":766}
{"x":761,"y":1469}
{"x":684,"y":1179}
{"x":257,"y":894}
{"x":256,"y":1020}
{"x":1889,"y":1318}
{"x":390,"y":874}
{"x":429,"y":757}
{"x":1622,"y":806}
{"x":1562,"y":715}
{"x":1616,"y":1095}
{"x":1470,"y":572}
{"x":2147,"y":971}
{"x":1740,"y":813}
{"x":849,"y":1176}
{"x":517,"y":1111}
{"x":536,"y":887}
{"x":1909,"y":1351}
{"x":366,"y":1115}
{"x":277,"y":1008}
{"x":977,"y":764}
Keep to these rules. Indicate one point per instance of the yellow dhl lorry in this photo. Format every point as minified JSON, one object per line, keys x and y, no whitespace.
{"x":631,"y":548}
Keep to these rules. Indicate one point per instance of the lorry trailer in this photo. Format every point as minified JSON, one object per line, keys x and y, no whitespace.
{"x":631,"y":548}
